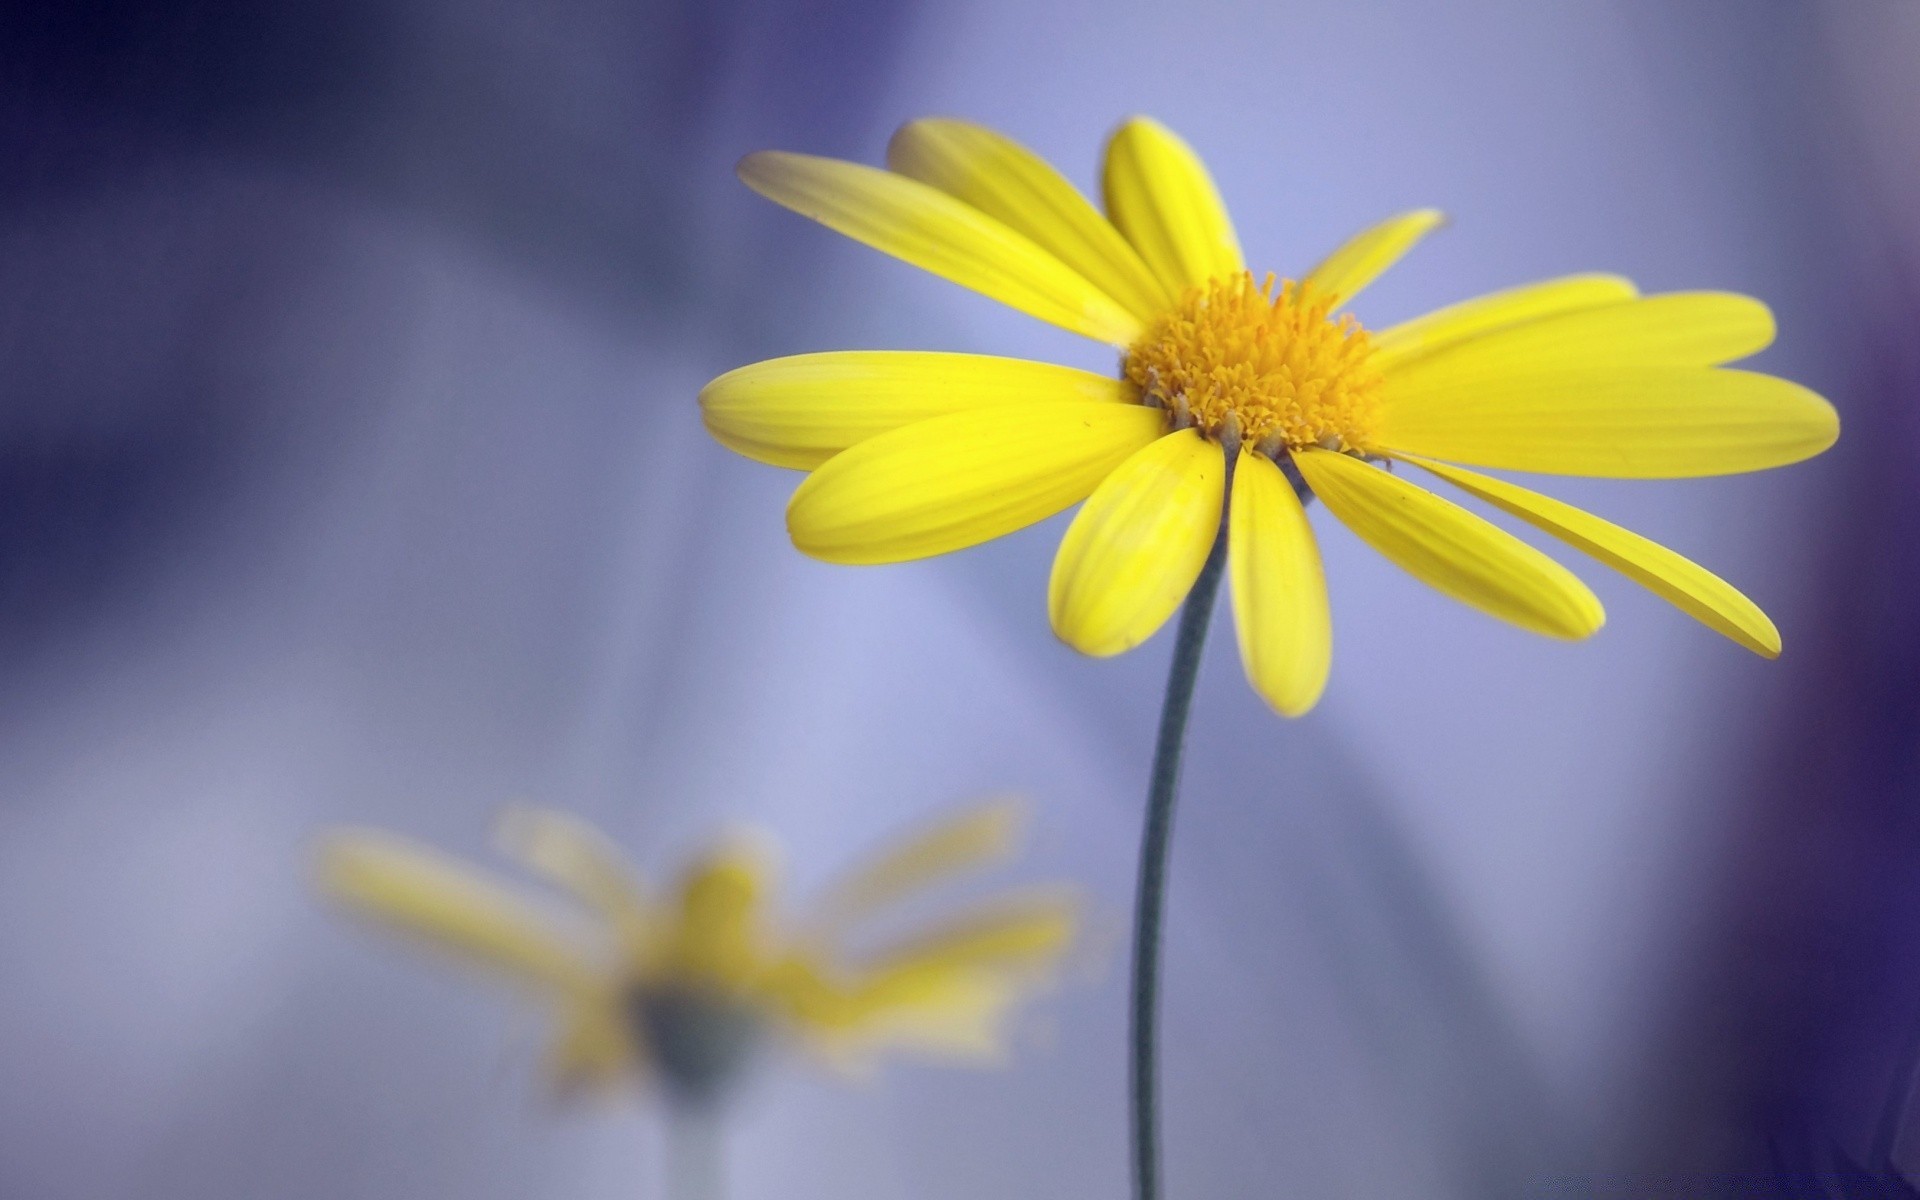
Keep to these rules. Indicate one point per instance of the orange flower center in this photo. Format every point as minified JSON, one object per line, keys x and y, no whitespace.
{"x":1277,"y":372}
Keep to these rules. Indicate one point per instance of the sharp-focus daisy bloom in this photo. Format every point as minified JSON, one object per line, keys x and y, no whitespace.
{"x":916,"y":454}
{"x":682,"y":987}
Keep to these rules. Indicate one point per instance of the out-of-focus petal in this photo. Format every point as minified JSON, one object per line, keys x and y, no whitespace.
{"x":581,"y":860}
{"x":976,"y":837}
{"x":430,"y":895}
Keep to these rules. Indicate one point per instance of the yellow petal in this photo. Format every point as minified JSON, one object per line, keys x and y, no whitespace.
{"x":1693,"y":589}
{"x":1360,"y":261}
{"x":1012,"y":184}
{"x":1019,"y":936}
{"x":582,"y":861}
{"x":1133,"y":552}
{"x":1159,"y":193}
{"x":718,"y":939}
{"x":595,"y":1049}
{"x":935,"y":232}
{"x":946,"y":992}
{"x":1678,"y":329}
{"x":976,"y":837}
{"x":955,"y":481}
{"x":1448,"y":547}
{"x":949,"y":1014}
{"x":1626,"y":423}
{"x":1456,"y":323}
{"x":1279,"y":589}
{"x":803,"y":410}
{"x":422,"y":892}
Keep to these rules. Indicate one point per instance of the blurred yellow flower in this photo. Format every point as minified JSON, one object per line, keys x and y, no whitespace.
{"x":682,"y":988}
{"x":916,"y":454}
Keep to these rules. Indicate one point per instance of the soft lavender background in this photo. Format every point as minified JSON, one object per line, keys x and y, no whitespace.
{"x":349,"y":471}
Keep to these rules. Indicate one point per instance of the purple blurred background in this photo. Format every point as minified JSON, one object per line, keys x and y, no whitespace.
{"x":350,"y":471}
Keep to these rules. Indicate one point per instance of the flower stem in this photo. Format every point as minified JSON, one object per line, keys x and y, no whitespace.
{"x":1155,"y":842}
{"x":694,"y":1152}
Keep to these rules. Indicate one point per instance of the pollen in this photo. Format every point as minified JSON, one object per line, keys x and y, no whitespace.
{"x":1276,"y":371}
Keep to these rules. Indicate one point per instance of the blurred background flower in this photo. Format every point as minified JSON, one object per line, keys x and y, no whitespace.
{"x":682,"y":989}
{"x":350,"y":472}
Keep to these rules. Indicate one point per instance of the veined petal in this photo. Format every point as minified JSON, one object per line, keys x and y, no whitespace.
{"x":1445,"y":327}
{"x":1693,"y":589}
{"x":937,"y":233}
{"x":1012,"y":184}
{"x":955,"y":481}
{"x":583,"y":862}
{"x":1678,"y":329}
{"x":1360,"y":261}
{"x":974,"y":838}
{"x":1448,"y":547}
{"x":1159,"y":193}
{"x":427,"y":894}
{"x":1133,"y":552}
{"x":801,"y":411}
{"x":1625,"y":423}
{"x":1279,"y":588}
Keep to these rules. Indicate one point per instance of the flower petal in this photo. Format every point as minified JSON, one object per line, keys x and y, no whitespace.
{"x":1692,"y":588}
{"x":1012,"y":184}
{"x":1633,"y":422}
{"x":935,"y":232}
{"x":423,"y":892}
{"x":595,"y":1048}
{"x":580,"y":860}
{"x":955,"y":481}
{"x":1279,"y":589}
{"x":1018,"y":935}
{"x":1448,"y":547}
{"x":1344,"y":273}
{"x":967,"y":841}
{"x":1159,"y":193}
{"x":801,"y":411}
{"x":1678,"y":329}
{"x":1133,"y":552}
{"x":1456,"y":323}
{"x":720,"y":934}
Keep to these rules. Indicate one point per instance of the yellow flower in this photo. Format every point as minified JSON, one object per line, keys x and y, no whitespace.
{"x":917,"y":454}
{"x":685,"y":987}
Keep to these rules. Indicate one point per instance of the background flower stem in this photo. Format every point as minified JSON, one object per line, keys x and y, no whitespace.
{"x":695,"y":1151}
{"x":1155,"y":842}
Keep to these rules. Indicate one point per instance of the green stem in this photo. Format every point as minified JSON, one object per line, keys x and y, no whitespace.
{"x":1155,"y":842}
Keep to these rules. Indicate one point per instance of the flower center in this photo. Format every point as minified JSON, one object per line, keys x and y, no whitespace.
{"x":1275,"y":371}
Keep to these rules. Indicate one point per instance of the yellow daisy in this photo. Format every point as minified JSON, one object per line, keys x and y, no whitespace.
{"x":916,"y":454}
{"x":684,"y":987}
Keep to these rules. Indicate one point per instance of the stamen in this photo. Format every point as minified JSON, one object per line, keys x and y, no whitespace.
{"x":1275,"y":372}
